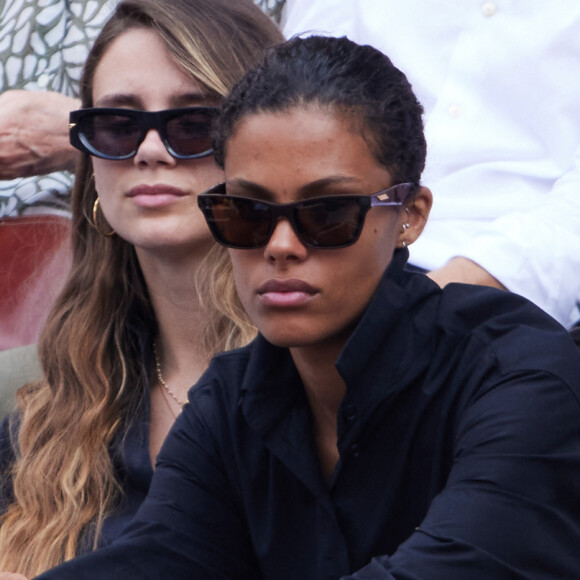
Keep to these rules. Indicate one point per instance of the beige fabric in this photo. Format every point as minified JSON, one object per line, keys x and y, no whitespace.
{"x":18,"y":366}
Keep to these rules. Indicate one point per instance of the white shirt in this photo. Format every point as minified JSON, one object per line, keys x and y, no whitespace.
{"x":500,"y":84}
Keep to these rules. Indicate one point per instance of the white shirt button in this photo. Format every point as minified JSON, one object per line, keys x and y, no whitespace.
{"x":489,"y":8}
{"x":454,"y":111}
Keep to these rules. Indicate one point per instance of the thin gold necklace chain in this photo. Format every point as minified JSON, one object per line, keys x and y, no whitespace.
{"x":162,"y":380}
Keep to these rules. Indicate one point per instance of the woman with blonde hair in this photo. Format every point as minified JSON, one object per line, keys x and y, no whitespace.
{"x":136,"y":323}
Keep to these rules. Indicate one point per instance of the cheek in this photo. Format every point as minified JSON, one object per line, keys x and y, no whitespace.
{"x":368,"y":260}
{"x":206,"y":173}
{"x":381,"y":237}
{"x":104,"y":173}
{"x":242,"y":268}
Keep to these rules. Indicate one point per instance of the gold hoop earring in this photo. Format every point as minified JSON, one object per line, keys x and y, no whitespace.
{"x":95,"y":223}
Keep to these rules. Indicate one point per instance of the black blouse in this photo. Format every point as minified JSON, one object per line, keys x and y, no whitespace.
{"x":459,"y":441}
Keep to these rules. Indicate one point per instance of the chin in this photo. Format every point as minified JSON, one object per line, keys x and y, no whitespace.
{"x":291,"y":339}
{"x":287,"y":340}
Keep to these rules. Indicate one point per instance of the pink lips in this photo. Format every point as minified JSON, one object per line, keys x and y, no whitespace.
{"x":286,"y":293}
{"x":152,"y":196}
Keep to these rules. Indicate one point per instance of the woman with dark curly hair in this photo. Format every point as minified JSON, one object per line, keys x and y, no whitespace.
{"x":379,"y":426}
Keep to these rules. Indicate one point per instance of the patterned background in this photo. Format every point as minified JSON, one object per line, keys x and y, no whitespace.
{"x":43,"y":45}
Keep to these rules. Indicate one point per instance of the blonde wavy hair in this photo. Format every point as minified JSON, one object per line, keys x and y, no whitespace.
{"x":64,"y":483}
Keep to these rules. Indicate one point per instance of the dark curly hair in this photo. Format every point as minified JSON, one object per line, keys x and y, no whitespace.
{"x":336,"y":74}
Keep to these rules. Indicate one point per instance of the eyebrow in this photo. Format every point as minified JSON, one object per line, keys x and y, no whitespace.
{"x":316,"y":188}
{"x":136,"y":102}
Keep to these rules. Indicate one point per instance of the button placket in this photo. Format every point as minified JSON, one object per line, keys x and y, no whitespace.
{"x":350,"y":413}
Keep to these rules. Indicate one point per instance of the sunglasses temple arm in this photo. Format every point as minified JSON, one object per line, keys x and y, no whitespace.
{"x":400,"y":193}
{"x":375,"y":202}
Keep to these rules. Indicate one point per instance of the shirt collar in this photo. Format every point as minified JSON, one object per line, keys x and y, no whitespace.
{"x":393,"y":342}
{"x":380,"y":356}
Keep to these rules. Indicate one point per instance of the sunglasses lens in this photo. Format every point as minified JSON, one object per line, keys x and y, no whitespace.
{"x":238,"y":222}
{"x":330,"y":222}
{"x":188,"y":134}
{"x":112,"y":135}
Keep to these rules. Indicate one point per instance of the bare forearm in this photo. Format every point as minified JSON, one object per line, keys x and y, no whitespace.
{"x":34,"y":133}
{"x":464,"y":271}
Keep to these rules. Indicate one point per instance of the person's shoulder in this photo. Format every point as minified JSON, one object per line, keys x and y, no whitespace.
{"x":519,"y":333}
{"x":224,"y":377}
{"x":230,"y":365}
{"x":468,"y":307}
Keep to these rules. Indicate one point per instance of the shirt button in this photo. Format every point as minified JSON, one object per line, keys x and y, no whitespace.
{"x":349,"y":413}
{"x":489,"y":8}
{"x":454,"y":111}
{"x":355,"y":450}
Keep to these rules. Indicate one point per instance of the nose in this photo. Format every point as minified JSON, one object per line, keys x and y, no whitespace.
{"x":284,"y":244}
{"x":152,"y":151}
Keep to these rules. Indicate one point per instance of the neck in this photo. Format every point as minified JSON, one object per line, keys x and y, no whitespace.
{"x":325,"y":390}
{"x":323,"y":384}
{"x":180,"y":317}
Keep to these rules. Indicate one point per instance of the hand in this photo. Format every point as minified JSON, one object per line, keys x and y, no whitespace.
{"x":465,"y":271}
{"x":11,"y":576}
{"x":34,"y":133}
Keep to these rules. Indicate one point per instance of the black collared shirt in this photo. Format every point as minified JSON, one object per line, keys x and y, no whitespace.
{"x":459,"y":441}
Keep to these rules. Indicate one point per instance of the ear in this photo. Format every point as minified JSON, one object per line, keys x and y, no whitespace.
{"x":414,"y":216}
